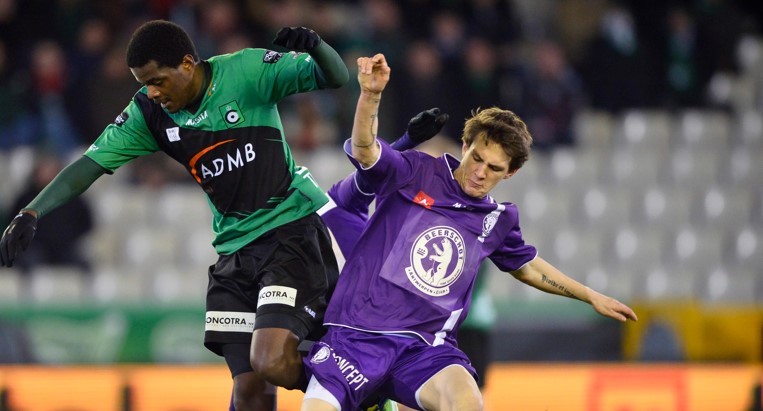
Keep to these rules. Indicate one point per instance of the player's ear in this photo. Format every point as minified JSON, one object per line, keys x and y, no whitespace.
{"x":510,"y":174}
{"x":188,"y":62}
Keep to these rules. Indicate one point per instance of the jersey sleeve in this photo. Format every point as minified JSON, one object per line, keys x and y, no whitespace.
{"x":513,"y":253}
{"x":391,"y":171}
{"x":277,"y":75}
{"x":125,"y":139}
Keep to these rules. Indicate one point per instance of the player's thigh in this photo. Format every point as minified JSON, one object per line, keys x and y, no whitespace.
{"x":295,"y":277}
{"x":318,"y":398}
{"x":312,"y":404}
{"x":452,"y":388}
{"x":272,"y":344}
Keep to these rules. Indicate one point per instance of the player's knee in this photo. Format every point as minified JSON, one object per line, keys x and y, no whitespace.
{"x":474,"y":402}
{"x":252,"y":393}
{"x":453,"y":388}
{"x":278,"y":370}
{"x":462,"y":400}
{"x":467,"y":400}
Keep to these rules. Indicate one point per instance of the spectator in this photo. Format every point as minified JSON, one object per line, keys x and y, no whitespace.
{"x":16,"y":123}
{"x":112,"y":87}
{"x":683,"y":87}
{"x":387,"y":33}
{"x":551,"y":94}
{"x":611,"y":81}
{"x":53,"y":98}
{"x":480,"y":76}
{"x":494,"y":20}
{"x":426,"y":82}
{"x":60,"y":241}
{"x":219,"y":20}
{"x":448,"y":36}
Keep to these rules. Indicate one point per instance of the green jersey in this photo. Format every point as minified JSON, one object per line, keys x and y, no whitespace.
{"x":233,"y":146}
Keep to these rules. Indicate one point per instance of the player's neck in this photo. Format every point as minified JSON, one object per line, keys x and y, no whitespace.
{"x":203,"y":75}
{"x":458,"y":175}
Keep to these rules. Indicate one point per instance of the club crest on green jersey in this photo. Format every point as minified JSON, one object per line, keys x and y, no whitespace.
{"x":231,"y":114}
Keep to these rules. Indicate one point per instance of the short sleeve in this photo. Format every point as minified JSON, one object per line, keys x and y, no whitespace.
{"x":125,"y":139}
{"x":513,"y":253}
{"x":391,"y":171}
{"x":277,"y":75}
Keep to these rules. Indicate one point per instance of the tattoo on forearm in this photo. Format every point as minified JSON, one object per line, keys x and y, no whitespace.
{"x":374,"y":118}
{"x":558,"y":286}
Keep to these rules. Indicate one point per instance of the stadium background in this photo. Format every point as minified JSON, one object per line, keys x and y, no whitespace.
{"x":645,"y":184}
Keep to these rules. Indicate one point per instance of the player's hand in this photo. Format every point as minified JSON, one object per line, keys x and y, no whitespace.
{"x":297,"y":38}
{"x":373,"y":74}
{"x":609,"y":307}
{"x":17,"y":237}
{"x":426,"y":124}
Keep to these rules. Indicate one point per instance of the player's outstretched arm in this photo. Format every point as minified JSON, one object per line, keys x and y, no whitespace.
{"x":373,"y":76}
{"x":331,"y":71}
{"x":69,"y":183}
{"x":544,"y":276}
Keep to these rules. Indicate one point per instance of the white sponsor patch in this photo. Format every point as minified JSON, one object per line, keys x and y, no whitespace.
{"x":229,"y":321}
{"x":276,"y":294}
{"x":173,"y":134}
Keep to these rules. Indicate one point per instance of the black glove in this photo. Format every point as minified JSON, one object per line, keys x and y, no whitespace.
{"x":426,"y":124}
{"x":297,"y":38}
{"x":17,"y":237}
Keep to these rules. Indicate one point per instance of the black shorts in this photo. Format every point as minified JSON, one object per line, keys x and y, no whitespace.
{"x":286,"y":276}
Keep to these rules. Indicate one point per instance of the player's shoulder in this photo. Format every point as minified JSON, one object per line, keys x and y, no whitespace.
{"x":245,"y":54}
{"x":251,"y":55}
{"x":511,"y":211}
{"x":420,"y":156}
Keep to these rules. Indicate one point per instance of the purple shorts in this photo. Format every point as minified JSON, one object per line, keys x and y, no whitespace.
{"x":353,"y":365}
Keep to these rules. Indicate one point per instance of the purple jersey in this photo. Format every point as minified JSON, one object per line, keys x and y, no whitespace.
{"x":413,"y":269}
{"x":346,"y":213}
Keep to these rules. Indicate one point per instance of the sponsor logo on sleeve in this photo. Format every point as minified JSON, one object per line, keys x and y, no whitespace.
{"x":121,"y":118}
{"x":276,"y":294}
{"x":271,"y":56}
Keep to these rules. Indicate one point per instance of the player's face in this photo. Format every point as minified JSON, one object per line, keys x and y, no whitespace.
{"x":483,"y":166}
{"x":172,"y":87}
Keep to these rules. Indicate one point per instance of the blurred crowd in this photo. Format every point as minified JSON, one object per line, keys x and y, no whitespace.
{"x":63,"y":75}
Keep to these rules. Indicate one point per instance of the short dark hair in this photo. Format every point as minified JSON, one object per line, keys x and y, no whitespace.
{"x":162,"y":41}
{"x":502,"y":127}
